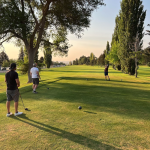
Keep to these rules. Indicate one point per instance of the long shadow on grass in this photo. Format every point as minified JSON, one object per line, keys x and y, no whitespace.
{"x":85,"y":141}
{"x":28,"y":88}
{"x":101,"y":97}
{"x":102,"y":80}
{"x":83,"y":71}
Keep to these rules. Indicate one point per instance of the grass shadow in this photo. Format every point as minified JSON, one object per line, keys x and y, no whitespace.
{"x":77,"y":138}
{"x":89,"y":112}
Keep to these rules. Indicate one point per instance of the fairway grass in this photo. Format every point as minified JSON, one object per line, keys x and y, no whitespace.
{"x":115,"y":114}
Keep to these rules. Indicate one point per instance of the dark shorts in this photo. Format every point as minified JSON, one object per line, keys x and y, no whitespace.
{"x":12,"y":95}
{"x":106,"y":73}
{"x":35,"y":81}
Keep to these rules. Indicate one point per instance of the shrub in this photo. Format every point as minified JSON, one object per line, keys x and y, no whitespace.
{"x":148,"y":64}
{"x":23,"y":68}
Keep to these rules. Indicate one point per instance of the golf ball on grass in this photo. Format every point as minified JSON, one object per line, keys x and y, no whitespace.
{"x":79,"y":107}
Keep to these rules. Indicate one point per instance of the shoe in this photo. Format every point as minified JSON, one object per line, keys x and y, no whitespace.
{"x":35,"y":92}
{"x":8,"y":115}
{"x":19,"y":113}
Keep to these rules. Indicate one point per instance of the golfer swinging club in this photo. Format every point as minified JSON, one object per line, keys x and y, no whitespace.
{"x":12,"y":81}
{"x":34,"y":72}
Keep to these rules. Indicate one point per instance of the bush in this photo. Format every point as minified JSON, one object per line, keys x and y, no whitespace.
{"x":5,"y":63}
{"x":148,"y":64}
{"x":23,"y":68}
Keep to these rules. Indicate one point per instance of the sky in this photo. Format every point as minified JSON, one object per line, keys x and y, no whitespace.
{"x":95,"y":37}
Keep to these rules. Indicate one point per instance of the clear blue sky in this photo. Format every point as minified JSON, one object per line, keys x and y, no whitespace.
{"x":94,"y":38}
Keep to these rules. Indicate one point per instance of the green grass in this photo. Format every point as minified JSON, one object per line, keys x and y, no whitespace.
{"x":115,"y":114}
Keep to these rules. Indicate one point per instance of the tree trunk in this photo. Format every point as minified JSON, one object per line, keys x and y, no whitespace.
{"x":31,"y":54}
{"x":136,"y":67}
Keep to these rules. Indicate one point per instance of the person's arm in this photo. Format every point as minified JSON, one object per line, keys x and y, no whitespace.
{"x":18,"y":82}
{"x":38,"y":74}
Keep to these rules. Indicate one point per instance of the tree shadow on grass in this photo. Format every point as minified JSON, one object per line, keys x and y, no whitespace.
{"x":85,"y":141}
{"x":125,"y":100}
{"x":83,"y":71}
{"x":102,"y":80}
{"x":28,"y":88}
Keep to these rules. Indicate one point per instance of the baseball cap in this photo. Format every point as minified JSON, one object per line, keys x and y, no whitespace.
{"x":12,"y":66}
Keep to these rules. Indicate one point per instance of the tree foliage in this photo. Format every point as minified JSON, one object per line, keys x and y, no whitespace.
{"x":21,"y":54}
{"x":27,"y":21}
{"x":3,"y":57}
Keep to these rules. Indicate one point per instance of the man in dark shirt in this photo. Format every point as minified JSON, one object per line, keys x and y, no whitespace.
{"x":106,"y":72}
{"x":12,"y":81}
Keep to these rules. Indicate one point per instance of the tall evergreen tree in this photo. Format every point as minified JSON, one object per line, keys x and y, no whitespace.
{"x":21,"y":54}
{"x":107,"y":52}
{"x":92,"y":58}
{"x":47,"y":54}
{"x":3,"y":57}
{"x":131,"y":22}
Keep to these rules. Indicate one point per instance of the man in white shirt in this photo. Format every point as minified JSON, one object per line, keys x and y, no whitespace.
{"x":34,"y":72}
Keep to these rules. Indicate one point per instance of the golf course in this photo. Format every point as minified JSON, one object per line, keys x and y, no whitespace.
{"x":115,"y":114}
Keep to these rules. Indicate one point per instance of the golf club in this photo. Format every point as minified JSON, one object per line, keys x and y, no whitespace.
{"x":22,"y":102}
{"x":44,"y":84}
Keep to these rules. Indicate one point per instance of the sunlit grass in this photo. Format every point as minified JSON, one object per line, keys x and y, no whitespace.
{"x":115,"y":113}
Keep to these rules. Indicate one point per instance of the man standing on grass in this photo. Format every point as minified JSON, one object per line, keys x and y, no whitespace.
{"x":12,"y":81}
{"x":34,"y":72}
{"x":106,"y":72}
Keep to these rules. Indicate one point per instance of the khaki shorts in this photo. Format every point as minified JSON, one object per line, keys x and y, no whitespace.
{"x":12,"y":95}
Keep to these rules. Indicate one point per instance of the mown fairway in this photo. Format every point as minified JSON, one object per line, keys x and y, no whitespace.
{"x":115,"y":114}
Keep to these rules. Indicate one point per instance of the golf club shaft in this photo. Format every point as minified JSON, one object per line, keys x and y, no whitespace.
{"x":21,"y":100}
{"x":44,"y":84}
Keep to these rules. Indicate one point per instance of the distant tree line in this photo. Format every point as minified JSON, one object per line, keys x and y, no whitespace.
{"x":22,"y":61}
{"x":92,"y":59}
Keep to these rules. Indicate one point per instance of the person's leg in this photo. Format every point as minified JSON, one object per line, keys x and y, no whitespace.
{"x":8,"y":106}
{"x":16,"y":102}
{"x":36,"y":85}
{"x":16,"y":107}
{"x":33,"y":87}
{"x":9,"y":98}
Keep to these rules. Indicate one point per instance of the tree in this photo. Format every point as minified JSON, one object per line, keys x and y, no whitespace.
{"x":102,"y":59}
{"x":3,"y":57}
{"x":47,"y":54}
{"x":5,"y":63}
{"x":26,"y":60}
{"x":70,"y":63}
{"x":107,"y":52}
{"x":36,"y":57}
{"x":92,"y":58}
{"x":148,"y":31}
{"x":136,"y":52}
{"x":113,"y":56}
{"x":131,"y":21}
{"x":34,"y":20}
{"x":41,"y":60}
{"x":21,"y":54}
